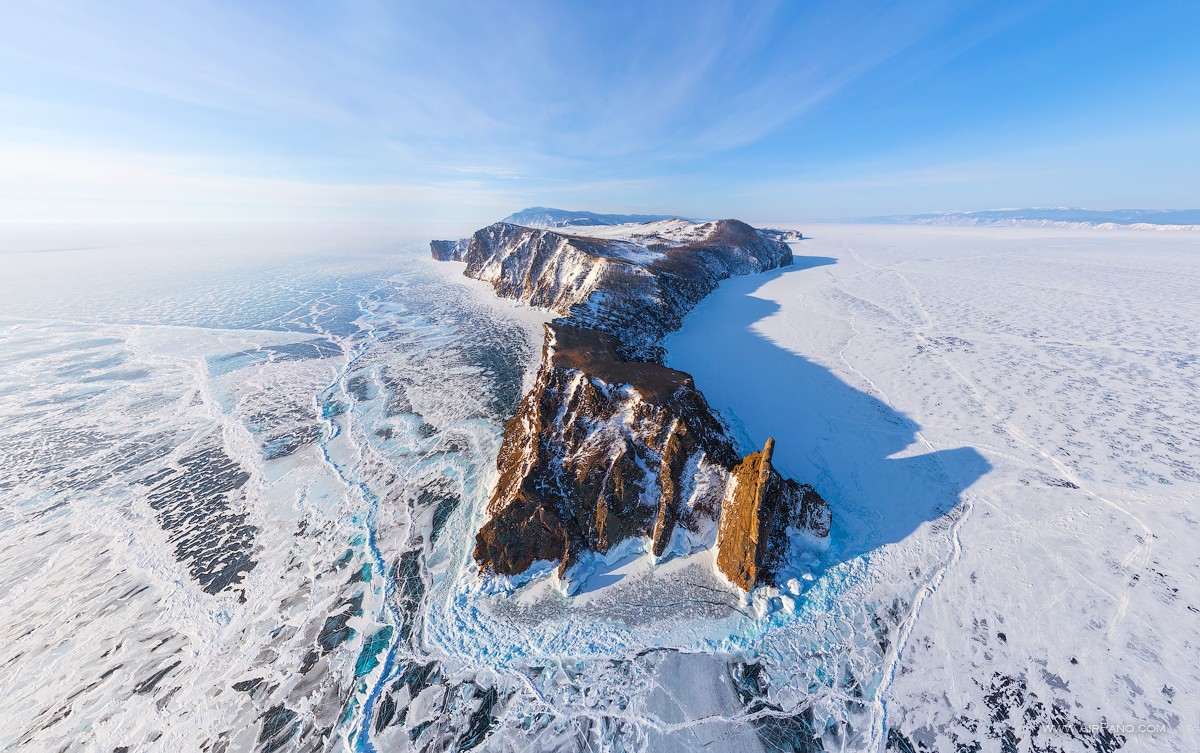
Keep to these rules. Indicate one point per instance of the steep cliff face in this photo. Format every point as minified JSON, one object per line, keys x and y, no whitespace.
{"x":596,"y":454}
{"x":448,"y":250}
{"x":636,"y":286}
{"x":610,"y":444}
{"x":759,"y":507}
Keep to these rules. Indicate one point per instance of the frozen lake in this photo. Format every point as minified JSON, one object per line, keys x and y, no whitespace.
{"x":1007,"y":424}
{"x":239,"y":492}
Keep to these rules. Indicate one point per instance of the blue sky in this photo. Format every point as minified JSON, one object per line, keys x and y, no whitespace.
{"x":461,"y":112}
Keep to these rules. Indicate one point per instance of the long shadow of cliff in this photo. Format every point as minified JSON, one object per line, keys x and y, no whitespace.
{"x":862,"y":455}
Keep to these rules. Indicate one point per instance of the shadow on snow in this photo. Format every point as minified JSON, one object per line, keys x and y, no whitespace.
{"x":841,"y":440}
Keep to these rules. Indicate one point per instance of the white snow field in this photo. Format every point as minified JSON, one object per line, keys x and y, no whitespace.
{"x":1007,"y":425}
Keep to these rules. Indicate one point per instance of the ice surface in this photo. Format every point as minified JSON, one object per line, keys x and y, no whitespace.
{"x":1006,"y":425}
{"x":237,"y":508}
{"x":1173,"y":220}
{"x":213,"y":486}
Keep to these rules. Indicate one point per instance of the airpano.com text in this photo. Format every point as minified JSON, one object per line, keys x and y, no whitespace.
{"x":1127,"y":728}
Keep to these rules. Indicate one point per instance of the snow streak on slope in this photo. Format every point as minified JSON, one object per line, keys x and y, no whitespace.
{"x":660,"y":231}
{"x":1042,"y":382}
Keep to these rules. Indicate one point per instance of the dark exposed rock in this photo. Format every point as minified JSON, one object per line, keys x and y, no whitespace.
{"x":759,"y":507}
{"x":607,"y":444}
{"x":448,"y":250}
{"x":594,"y":455}
{"x":634,"y":291}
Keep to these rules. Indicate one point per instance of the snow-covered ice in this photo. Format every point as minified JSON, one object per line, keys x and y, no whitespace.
{"x":239,"y":504}
{"x":1007,"y":425}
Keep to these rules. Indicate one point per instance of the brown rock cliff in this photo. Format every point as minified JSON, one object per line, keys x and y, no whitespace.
{"x":759,"y":507}
{"x":595,"y":455}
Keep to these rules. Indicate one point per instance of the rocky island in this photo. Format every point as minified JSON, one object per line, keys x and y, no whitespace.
{"x":611,"y":444}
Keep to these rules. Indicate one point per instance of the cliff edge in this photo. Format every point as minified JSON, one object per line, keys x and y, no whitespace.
{"x":609,"y":443}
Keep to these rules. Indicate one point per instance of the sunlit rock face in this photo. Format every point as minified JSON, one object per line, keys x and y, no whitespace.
{"x":609,"y":443}
{"x":596,"y":454}
{"x":759,"y":508}
{"x":634,"y":282}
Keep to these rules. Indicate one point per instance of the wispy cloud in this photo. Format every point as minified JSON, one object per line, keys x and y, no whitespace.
{"x":408,"y":102}
{"x":528,"y":80}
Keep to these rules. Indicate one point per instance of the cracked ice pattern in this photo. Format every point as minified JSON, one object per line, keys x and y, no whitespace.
{"x":237,"y":508}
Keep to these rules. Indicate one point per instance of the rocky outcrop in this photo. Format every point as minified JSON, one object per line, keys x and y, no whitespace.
{"x":636,"y":288}
{"x":595,"y":455}
{"x":759,"y":508}
{"x":448,"y":250}
{"x":609,"y":443}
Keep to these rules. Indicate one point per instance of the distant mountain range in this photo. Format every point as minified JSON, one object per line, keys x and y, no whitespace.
{"x":1147,"y":218}
{"x":547,"y":217}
